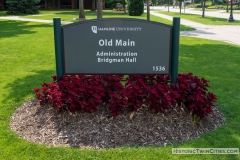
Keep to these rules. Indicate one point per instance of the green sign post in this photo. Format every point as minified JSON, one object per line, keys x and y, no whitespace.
{"x":58,"y":47}
{"x":175,"y":49}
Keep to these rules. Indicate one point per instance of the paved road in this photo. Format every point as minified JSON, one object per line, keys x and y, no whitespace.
{"x":210,"y":13}
{"x":230,"y":34}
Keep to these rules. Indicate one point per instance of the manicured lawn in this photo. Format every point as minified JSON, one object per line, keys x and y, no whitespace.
{"x":198,"y":18}
{"x":207,"y":10}
{"x":27,"y":59}
{"x":69,"y":15}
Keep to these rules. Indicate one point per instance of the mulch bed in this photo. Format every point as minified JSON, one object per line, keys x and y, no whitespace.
{"x":44,"y":125}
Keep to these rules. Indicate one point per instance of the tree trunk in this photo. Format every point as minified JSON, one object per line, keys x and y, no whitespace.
{"x":168,"y":5}
{"x":227,"y":7}
{"x":124,"y":6}
{"x":203,"y":8}
{"x":180,"y":7}
{"x":59,"y":4}
{"x":3,"y":5}
{"x":53,"y":4}
{"x":45,"y":4}
{"x":81,"y":9}
{"x":99,"y":8}
{"x":148,"y":11}
{"x":93,"y":8}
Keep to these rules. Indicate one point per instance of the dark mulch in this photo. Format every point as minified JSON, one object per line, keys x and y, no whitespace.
{"x":44,"y":125}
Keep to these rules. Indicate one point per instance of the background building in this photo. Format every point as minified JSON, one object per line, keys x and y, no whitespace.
{"x":59,"y":4}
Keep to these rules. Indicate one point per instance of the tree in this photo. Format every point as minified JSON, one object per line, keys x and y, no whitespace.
{"x":53,"y":1}
{"x":168,"y":2}
{"x":135,"y":7}
{"x":203,"y":8}
{"x":99,"y":8}
{"x":227,"y":6}
{"x":23,"y":6}
{"x":124,"y":6}
{"x":148,"y":11}
{"x":81,"y":9}
{"x":93,"y":8}
{"x":154,"y":2}
{"x":180,"y":5}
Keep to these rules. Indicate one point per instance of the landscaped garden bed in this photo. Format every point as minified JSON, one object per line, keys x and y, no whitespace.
{"x":101,"y":112}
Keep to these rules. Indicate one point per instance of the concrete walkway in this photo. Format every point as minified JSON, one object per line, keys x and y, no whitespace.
{"x":230,"y":34}
{"x":208,"y":12}
{"x":17,"y":18}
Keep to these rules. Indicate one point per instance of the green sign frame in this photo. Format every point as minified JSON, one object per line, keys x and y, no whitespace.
{"x":64,"y":37}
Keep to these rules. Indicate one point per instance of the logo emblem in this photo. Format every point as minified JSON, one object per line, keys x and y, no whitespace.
{"x":94,"y":29}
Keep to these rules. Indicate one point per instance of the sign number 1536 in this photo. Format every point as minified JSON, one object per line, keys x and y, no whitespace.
{"x":158,"y":68}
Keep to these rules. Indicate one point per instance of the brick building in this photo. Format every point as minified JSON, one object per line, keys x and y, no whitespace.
{"x":58,"y":4}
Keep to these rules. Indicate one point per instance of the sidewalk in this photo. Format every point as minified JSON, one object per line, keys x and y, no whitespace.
{"x":208,"y":12}
{"x":230,"y":34}
{"x":30,"y":20}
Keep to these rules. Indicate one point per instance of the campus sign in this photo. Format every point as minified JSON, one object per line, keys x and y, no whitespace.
{"x":114,"y":46}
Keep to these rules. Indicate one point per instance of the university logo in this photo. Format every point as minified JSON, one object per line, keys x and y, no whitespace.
{"x":94,"y":29}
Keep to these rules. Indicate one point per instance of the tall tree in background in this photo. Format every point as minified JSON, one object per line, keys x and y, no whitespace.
{"x":148,"y":11}
{"x":124,"y":6}
{"x":93,"y":7}
{"x":81,"y":9}
{"x":53,"y":1}
{"x":180,"y":5}
{"x":168,"y":2}
{"x":154,"y":2}
{"x":99,"y":8}
{"x":203,"y":8}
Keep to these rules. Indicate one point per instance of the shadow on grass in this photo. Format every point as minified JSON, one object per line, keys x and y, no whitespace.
{"x":3,"y":13}
{"x":11,"y":28}
{"x":22,"y":88}
{"x":217,"y":20}
{"x":105,"y":12}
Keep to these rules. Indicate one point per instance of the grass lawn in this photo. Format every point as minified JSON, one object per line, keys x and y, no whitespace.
{"x":27,"y":59}
{"x":69,"y":15}
{"x":198,"y":18}
{"x":207,"y":10}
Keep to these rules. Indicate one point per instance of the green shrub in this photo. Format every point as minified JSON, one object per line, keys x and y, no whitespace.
{"x":224,"y":7}
{"x":135,"y":7}
{"x":111,"y":4}
{"x":22,"y":6}
{"x":212,"y":7}
{"x":199,"y":5}
{"x":218,"y":3}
